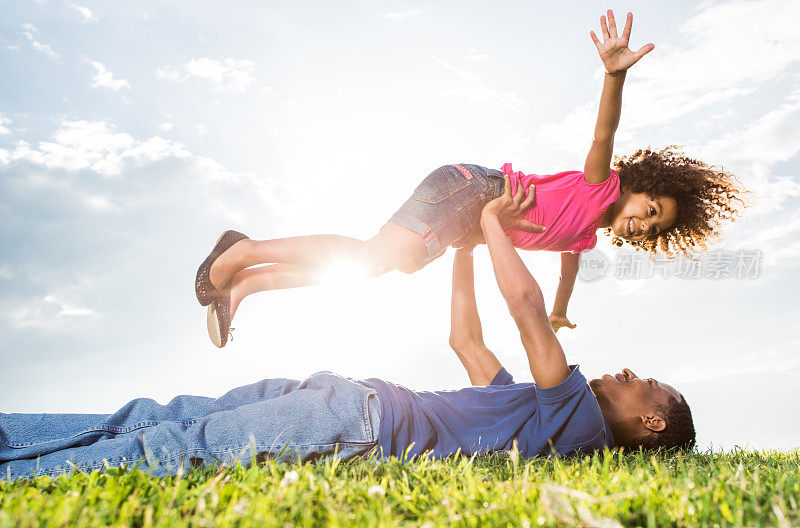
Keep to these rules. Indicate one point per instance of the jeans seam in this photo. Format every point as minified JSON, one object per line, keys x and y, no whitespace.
{"x":108,"y":429}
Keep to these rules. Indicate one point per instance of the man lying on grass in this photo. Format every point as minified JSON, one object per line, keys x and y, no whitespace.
{"x":327,"y":414}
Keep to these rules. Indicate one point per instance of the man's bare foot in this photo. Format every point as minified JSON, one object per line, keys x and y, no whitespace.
{"x":227,"y":264}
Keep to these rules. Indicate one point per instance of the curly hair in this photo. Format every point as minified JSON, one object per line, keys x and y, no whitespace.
{"x":704,"y":195}
{"x":679,"y":433}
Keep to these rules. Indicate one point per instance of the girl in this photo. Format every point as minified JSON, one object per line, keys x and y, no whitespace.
{"x":653,"y":200}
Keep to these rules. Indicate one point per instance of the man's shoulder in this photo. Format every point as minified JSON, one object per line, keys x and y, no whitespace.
{"x":572,"y":407}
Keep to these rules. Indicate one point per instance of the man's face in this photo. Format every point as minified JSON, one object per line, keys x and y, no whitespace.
{"x":631,"y":405}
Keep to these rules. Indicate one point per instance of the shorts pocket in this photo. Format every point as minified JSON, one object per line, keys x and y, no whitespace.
{"x":441,"y":184}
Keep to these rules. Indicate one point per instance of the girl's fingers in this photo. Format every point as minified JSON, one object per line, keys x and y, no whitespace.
{"x":612,"y":24}
{"x":530,"y":227}
{"x":604,"y":27}
{"x":530,"y":198}
{"x":595,"y":40}
{"x":507,"y":186}
{"x":626,"y":31}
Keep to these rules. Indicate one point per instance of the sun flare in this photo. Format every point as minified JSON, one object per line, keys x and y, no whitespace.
{"x":343,"y":273}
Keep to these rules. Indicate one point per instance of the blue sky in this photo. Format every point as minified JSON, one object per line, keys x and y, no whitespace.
{"x":131,"y":136}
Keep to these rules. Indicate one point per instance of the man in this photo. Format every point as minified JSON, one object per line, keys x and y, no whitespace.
{"x":558,"y":412}
{"x":327,"y":414}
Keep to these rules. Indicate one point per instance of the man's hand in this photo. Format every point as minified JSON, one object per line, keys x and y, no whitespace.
{"x":614,"y":51}
{"x":559,"y":321}
{"x":510,"y":207}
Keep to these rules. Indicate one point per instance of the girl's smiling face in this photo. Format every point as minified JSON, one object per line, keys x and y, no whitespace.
{"x":635,"y":217}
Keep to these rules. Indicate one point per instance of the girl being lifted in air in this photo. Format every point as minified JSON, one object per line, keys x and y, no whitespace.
{"x":654,"y":200}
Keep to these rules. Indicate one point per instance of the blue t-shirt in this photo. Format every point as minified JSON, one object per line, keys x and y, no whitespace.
{"x":481,"y":419}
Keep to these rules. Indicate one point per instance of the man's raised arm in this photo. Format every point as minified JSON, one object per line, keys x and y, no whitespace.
{"x":466,"y":335}
{"x":523,"y":297}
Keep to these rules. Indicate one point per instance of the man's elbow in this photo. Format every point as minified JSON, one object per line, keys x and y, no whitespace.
{"x":455,"y":342}
{"x":461,"y":342}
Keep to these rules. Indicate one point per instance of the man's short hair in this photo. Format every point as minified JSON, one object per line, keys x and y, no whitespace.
{"x":679,"y":432}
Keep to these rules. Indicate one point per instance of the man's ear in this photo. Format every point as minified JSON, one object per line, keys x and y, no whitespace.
{"x":654,"y":422}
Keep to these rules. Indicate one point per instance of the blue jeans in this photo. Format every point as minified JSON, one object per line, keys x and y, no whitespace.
{"x":445,"y":209}
{"x":284,"y":419}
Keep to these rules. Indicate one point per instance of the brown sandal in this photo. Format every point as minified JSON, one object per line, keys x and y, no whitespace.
{"x":203,"y":288}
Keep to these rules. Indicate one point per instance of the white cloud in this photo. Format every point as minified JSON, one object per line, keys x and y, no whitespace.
{"x":3,"y":122}
{"x":229,"y":75}
{"x":773,"y":138}
{"x":98,"y":146}
{"x":212,"y":170}
{"x":105,"y":79}
{"x":166,"y":126}
{"x":721,"y":54}
{"x":66,"y":309}
{"x":575,"y":129}
{"x":29,"y":31}
{"x":85,"y":12}
{"x":99,"y":203}
{"x":473,"y":55}
{"x":753,"y":150}
{"x":471,"y":89}
{"x":42,"y":312}
{"x":779,"y":359}
{"x":94,"y":145}
{"x":402,"y":15}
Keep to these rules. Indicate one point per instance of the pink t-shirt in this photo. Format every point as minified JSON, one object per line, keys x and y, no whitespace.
{"x":570,"y":208}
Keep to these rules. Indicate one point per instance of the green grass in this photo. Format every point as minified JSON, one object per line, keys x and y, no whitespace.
{"x":731,"y":489}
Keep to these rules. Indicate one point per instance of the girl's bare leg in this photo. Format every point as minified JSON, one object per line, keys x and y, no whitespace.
{"x":271,"y":277}
{"x":394,"y":247}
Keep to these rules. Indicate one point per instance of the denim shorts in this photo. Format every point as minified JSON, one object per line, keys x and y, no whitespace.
{"x":445,"y":209}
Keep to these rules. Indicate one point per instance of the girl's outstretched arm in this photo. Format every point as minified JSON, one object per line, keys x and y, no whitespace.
{"x":617,"y":58}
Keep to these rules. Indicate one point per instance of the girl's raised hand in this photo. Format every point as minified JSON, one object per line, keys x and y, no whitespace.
{"x":510,"y":207}
{"x":614,"y":51}
{"x":560,"y":321}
